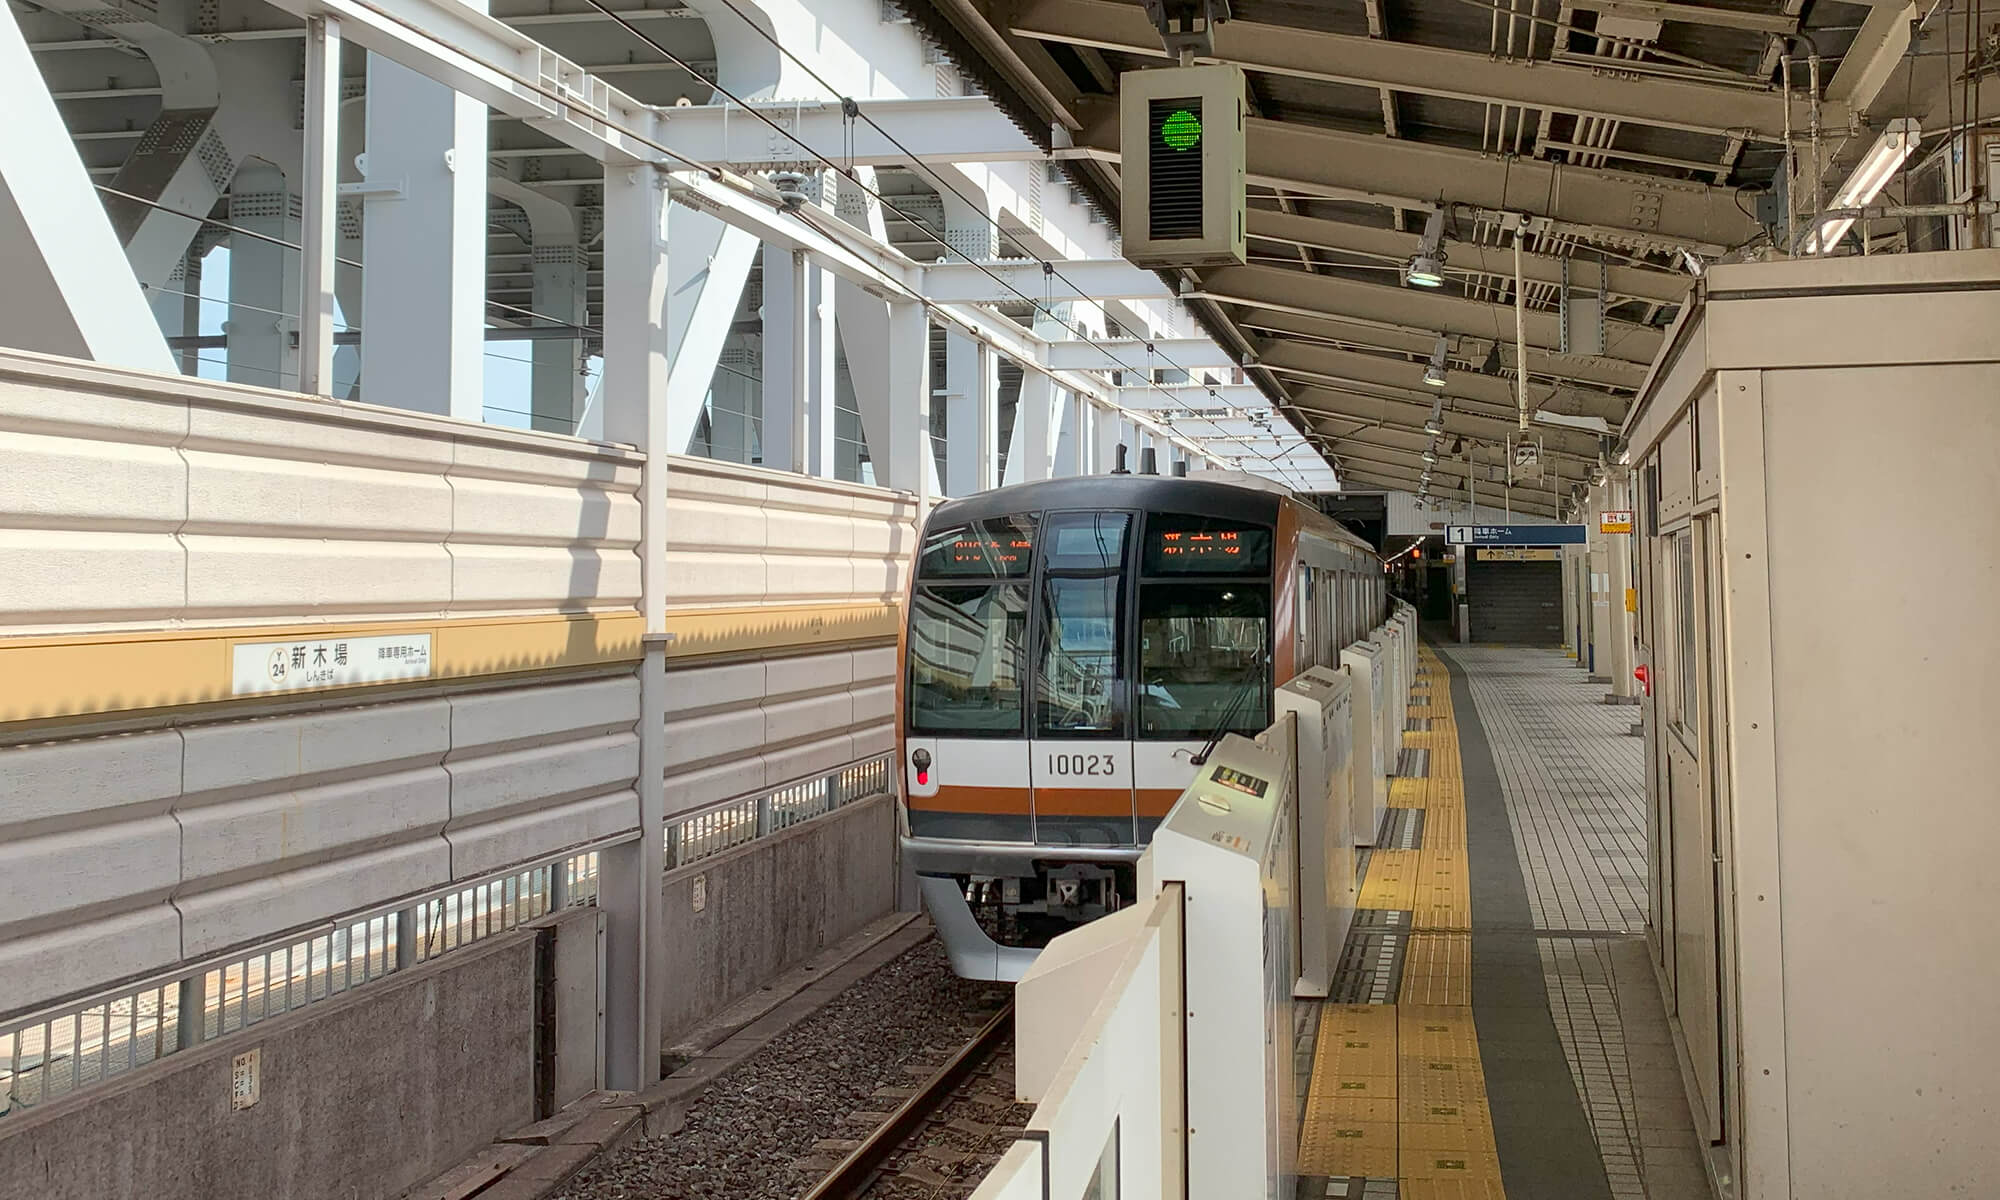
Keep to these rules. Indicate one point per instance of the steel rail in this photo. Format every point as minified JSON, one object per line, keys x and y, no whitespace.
{"x":851,"y":1178}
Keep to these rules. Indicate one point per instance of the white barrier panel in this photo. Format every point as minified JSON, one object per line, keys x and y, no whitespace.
{"x":1110,"y":1118}
{"x":1229,"y":840}
{"x":1322,"y":700}
{"x":1392,"y":712}
{"x":1369,"y":796}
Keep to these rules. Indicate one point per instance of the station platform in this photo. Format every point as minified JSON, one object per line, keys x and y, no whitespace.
{"x":1495,"y":1029}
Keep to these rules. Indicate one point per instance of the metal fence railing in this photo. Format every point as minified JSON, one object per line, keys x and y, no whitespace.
{"x":82,"y":1043}
{"x":705,"y":832}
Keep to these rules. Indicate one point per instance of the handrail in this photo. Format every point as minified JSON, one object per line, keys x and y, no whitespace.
{"x":726,"y":824}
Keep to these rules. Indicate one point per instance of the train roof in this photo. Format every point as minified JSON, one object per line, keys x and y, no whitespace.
{"x":1229,"y":494}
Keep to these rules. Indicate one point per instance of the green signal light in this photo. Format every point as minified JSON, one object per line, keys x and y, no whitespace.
{"x":1181,"y":130}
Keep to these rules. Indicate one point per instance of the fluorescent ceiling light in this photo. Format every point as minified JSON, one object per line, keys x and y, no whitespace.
{"x":1588,"y":424}
{"x":1426,"y":267}
{"x":1434,"y":427}
{"x":1873,"y":173}
{"x":1430,"y":456}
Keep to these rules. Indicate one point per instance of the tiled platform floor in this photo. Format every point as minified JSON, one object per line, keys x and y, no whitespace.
{"x":1509,"y":883}
{"x":1572,"y":779}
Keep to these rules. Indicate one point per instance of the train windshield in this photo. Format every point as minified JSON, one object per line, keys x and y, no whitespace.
{"x":1204,"y":652}
{"x":967,"y":652}
{"x":1081,"y":689}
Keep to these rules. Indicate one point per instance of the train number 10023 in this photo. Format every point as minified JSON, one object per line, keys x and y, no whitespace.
{"x":1083,"y":764}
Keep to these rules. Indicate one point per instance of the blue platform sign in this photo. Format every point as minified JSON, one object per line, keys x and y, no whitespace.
{"x":1514,"y":535}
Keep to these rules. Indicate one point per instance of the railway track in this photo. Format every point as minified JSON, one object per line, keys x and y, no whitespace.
{"x":937,"y":1142}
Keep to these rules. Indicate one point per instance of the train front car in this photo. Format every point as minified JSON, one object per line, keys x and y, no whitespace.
{"x":1072,"y":646}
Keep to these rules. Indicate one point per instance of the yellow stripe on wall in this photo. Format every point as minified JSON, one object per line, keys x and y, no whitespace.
{"x":83,"y":675}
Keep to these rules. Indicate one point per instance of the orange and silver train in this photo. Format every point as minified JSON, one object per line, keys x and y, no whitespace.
{"x":1072,"y":648}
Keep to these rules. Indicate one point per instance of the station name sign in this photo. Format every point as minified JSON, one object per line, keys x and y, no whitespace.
{"x":1514,"y":535}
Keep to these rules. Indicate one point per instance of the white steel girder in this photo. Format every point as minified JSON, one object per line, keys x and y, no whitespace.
{"x":1132,"y":354}
{"x":1430,"y":70}
{"x":1181,"y":397}
{"x":1636,"y":212}
{"x":70,"y":289}
{"x":1008,"y":281}
{"x":938,"y":130}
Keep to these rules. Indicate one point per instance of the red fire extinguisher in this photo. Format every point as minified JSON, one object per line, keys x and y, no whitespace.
{"x":1644,"y":677}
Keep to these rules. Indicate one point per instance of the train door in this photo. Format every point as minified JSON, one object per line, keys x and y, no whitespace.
{"x":1080,"y":752}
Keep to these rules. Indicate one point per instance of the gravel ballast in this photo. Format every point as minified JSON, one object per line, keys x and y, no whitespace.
{"x":746,"y":1135}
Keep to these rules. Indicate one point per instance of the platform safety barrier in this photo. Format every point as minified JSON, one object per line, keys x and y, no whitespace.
{"x":78,"y":1044}
{"x":1180,"y":1081}
{"x":708,"y":831}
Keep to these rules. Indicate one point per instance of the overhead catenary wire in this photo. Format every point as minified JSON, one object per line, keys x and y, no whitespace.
{"x":1166,"y":361}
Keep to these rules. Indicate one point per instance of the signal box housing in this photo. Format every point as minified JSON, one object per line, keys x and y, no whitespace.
{"x":1182,"y":150}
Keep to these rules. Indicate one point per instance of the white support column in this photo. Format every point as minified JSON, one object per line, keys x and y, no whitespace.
{"x":561,"y":294}
{"x":319,"y":206}
{"x":423,"y":309}
{"x":822,"y":456}
{"x":965,"y":364}
{"x":989,"y":418}
{"x":635,"y":374}
{"x":263,"y":279}
{"x":786,"y":384}
{"x":902,"y":456}
{"x":1618,"y":490}
{"x":1034,"y":418}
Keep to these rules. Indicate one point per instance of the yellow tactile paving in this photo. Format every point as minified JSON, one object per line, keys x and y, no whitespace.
{"x":1398,"y":1090}
{"x":1391,"y":880}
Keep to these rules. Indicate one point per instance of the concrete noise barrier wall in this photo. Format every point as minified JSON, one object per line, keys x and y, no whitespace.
{"x":357,"y":1098}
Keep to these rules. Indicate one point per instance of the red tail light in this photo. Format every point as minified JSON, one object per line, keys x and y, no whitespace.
{"x":921,"y":760}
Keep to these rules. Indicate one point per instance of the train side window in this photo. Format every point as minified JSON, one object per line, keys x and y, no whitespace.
{"x":1684,"y":619}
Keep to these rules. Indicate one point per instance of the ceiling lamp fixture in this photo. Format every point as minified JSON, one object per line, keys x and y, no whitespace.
{"x":1434,"y":427}
{"x":1430,"y":456}
{"x":1435,"y":372}
{"x":1872,"y":174}
{"x":1426,"y":266}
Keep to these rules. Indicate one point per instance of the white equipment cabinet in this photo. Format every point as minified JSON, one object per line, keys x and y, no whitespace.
{"x":1229,"y":842}
{"x":1814,"y":468}
{"x":1369,"y":793}
{"x":1322,"y":702}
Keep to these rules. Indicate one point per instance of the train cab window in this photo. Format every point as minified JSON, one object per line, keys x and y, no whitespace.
{"x":967,"y":651}
{"x":1203,"y":656}
{"x":1081,"y":689}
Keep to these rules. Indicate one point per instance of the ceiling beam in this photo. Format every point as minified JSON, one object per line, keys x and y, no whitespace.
{"x":1342,"y":237}
{"x":1693,"y":14}
{"x":1641,"y":213}
{"x":1597,"y":372}
{"x":1307,"y":362}
{"x":1434,"y":71}
{"x":1292,"y":291}
{"x":1363,"y":410}
{"x":1389,"y":478}
{"x":1196,"y":396}
{"x":930,"y":130}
